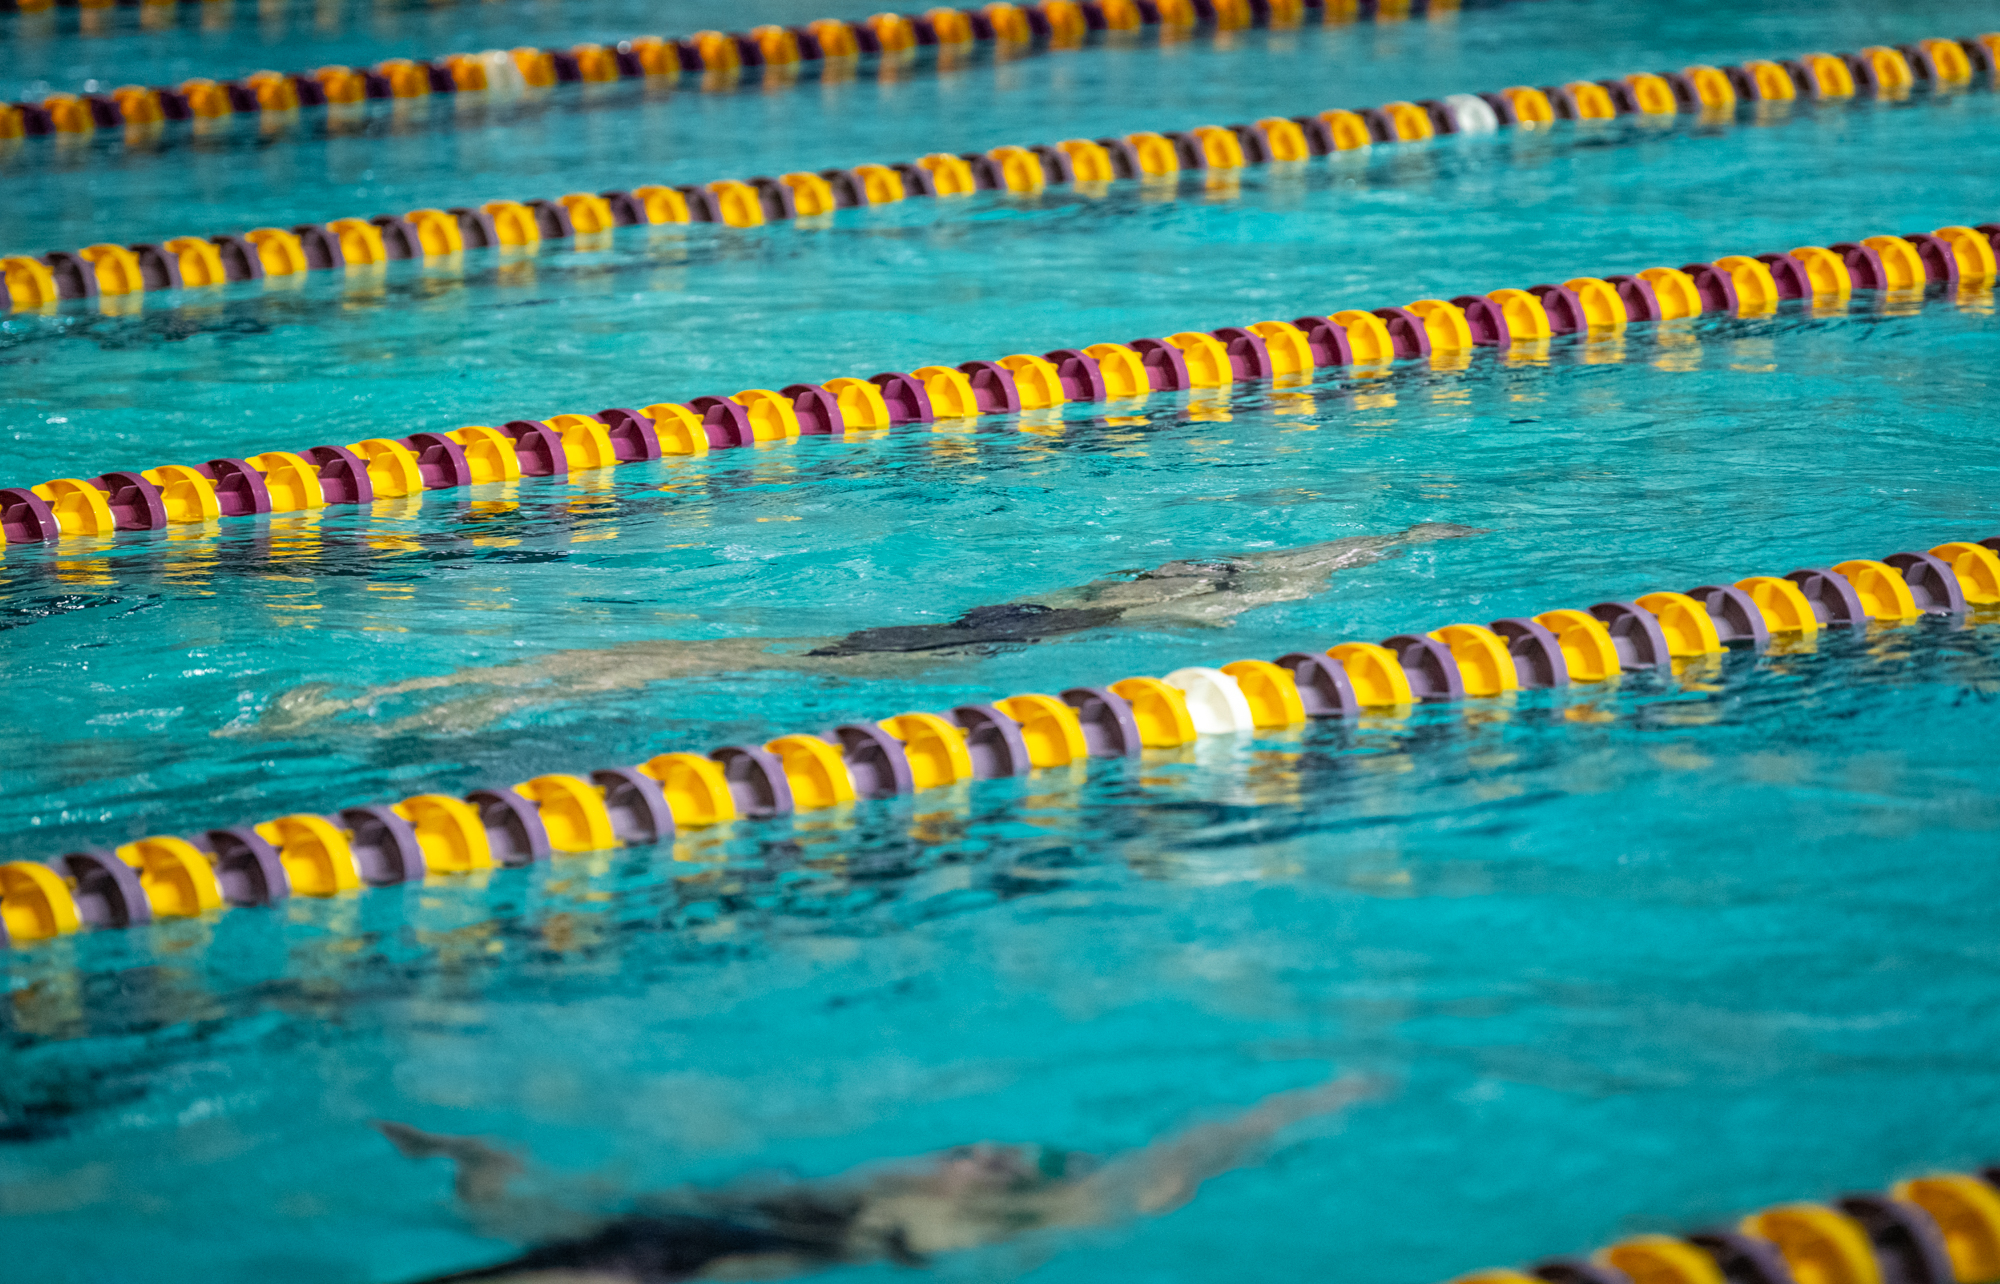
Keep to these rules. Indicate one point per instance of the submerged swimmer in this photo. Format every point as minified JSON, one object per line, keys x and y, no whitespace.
{"x":905,"y":1212}
{"x":1197,"y":592}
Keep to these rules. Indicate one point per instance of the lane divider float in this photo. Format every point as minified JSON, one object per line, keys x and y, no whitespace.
{"x":185,"y":262}
{"x":1369,"y":341}
{"x":188,"y":875}
{"x":1943,"y":1228}
{"x":890,"y":38}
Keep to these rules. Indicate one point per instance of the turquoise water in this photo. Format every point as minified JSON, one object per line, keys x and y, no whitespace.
{"x":1633,"y":974}
{"x":1685,"y":462}
{"x":66,"y":49}
{"x":1625,"y":958}
{"x":668,"y":314}
{"x":444,"y":152}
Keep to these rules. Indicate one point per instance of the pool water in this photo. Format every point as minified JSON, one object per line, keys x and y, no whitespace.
{"x":671,"y":313}
{"x":1632,"y":956}
{"x":457,"y":150}
{"x":63,"y":50}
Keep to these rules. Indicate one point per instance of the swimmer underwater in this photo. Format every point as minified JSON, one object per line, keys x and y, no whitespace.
{"x":905,"y":1212}
{"x":1198,"y":592}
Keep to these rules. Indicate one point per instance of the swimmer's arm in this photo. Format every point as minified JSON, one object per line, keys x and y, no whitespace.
{"x":1219,"y":608}
{"x":1162,"y":582}
{"x":757,"y":1266}
{"x":1166,"y":1174}
{"x":485,"y":1179}
{"x":557,"y":675}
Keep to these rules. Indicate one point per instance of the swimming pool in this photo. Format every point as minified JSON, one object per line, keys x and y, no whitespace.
{"x":1626,"y":957}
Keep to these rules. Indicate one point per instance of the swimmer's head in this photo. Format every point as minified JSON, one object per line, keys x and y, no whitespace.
{"x":1209,"y":568}
{"x":990,"y":1166}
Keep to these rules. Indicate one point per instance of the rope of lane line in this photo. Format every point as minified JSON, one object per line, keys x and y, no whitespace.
{"x":1943,"y":1227}
{"x":168,"y":876}
{"x":1366,"y":341}
{"x":190,"y":262}
{"x":719,"y":57}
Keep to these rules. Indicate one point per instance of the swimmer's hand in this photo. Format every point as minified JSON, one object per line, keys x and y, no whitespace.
{"x":483,"y":1171}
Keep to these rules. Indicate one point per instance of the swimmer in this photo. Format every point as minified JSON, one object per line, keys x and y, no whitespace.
{"x":906,"y":1212}
{"x":1197,"y":592}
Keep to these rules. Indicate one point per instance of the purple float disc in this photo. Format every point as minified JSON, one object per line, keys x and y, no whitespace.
{"x":1109,"y":730}
{"x":134,"y":502}
{"x":1538,"y":657}
{"x":756,"y":780}
{"x":992,"y":740}
{"x":25,"y":517}
{"x":1407,"y":333}
{"x":1249,"y":357}
{"x":1324,"y":689}
{"x":1636,"y":634}
{"x":108,"y":892}
{"x":343,"y":475}
{"x":384,"y":845}
{"x":247,"y":867}
{"x":993,"y":387}
{"x":1429,"y":665}
{"x":514,"y":829}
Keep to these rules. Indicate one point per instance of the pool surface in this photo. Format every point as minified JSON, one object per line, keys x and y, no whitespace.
{"x":1624,"y":957}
